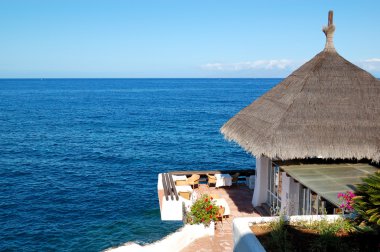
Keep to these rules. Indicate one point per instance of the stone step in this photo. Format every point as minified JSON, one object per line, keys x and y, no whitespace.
{"x":263,"y":210}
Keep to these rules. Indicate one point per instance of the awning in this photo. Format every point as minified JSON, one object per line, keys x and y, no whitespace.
{"x":328,"y":180}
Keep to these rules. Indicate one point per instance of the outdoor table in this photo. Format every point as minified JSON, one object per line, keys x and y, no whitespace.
{"x":223,"y":180}
{"x":179,"y":177}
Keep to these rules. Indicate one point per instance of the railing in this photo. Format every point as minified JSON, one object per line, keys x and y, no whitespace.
{"x":245,"y":172}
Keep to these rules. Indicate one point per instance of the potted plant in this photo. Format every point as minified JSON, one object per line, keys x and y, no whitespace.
{"x":203,"y":211}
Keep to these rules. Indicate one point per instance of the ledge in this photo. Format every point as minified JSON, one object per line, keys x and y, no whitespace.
{"x":171,"y":243}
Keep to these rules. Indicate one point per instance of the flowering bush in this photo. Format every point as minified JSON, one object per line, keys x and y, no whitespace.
{"x":203,"y":211}
{"x":347,"y":201}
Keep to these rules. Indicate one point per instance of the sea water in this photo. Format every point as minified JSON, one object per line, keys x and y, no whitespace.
{"x":79,"y":158}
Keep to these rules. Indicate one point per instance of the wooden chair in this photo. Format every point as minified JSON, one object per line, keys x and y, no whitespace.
{"x":192,"y":181}
{"x":211,"y":179}
{"x":220,"y":215}
{"x":235,"y":178}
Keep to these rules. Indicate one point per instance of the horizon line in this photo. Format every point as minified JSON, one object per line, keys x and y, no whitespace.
{"x":55,"y":78}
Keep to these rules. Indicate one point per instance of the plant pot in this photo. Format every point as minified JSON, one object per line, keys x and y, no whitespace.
{"x":245,"y":240}
{"x":202,"y":229}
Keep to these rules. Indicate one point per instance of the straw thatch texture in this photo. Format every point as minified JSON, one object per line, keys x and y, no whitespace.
{"x":328,"y":108}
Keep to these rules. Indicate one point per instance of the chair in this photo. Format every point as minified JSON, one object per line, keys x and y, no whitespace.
{"x":185,"y":195}
{"x":193,"y":180}
{"x":211,"y":179}
{"x":235,"y":178}
{"x":220,"y":215}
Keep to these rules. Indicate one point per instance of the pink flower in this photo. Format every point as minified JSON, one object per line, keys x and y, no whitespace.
{"x":347,"y":201}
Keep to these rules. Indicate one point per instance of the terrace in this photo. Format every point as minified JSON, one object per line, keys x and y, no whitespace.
{"x":237,"y":197}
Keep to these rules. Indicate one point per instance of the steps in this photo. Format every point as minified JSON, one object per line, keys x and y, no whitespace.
{"x":263,"y":210}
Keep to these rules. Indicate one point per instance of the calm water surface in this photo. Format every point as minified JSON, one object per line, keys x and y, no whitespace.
{"x":79,"y":158}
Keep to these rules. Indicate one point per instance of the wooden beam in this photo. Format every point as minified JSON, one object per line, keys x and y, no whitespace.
{"x":172,"y":185}
{"x":164,"y":185}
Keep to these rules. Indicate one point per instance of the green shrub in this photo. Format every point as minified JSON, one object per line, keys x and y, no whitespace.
{"x":279,"y":235}
{"x":318,"y":236}
{"x":328,"y":239}
{"x":367,"y":200}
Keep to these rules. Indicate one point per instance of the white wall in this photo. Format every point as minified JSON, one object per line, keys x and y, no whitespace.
{"x":244,"y":239}
{"x":171,"y":210}
{"x":260,"y":193}
{"x":159,"y":182}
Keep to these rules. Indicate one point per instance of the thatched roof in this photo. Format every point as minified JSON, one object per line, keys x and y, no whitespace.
{"x":328,"y":108}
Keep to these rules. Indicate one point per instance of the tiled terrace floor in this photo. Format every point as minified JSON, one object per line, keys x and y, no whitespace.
{"x":239,"y":200}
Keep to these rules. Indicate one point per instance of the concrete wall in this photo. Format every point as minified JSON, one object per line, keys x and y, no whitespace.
{"x":171,"y":210}
{"x":244,"y":239}
{"x":260,"y":193}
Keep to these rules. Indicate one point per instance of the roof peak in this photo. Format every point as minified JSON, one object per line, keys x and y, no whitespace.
{"x":329,"y":32}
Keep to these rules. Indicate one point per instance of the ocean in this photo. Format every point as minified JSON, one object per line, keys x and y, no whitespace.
{"x":79,"y":158}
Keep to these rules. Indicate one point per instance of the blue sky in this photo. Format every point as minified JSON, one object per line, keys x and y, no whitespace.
{"x":177,"y":38}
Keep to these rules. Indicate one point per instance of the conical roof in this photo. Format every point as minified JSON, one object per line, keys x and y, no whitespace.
{"x":328,"y":108}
